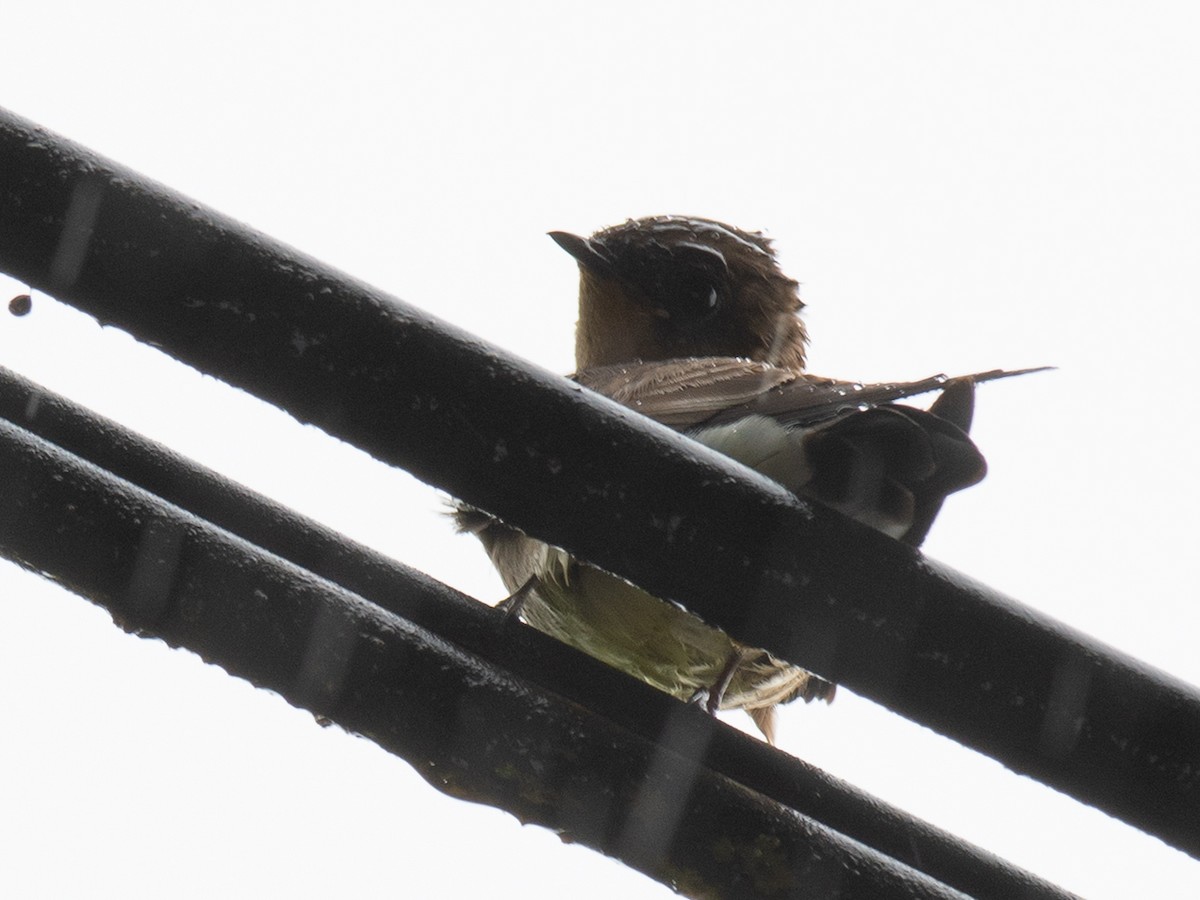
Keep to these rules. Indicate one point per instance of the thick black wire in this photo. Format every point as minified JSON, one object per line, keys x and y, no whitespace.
{"x":522,"y":651}
{"x":468,"y":726}
{"x":609,"y":486}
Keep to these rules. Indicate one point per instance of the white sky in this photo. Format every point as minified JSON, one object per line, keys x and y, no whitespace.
{"x":958,"y":186}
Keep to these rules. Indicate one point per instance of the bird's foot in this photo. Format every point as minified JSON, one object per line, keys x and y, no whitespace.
{"x":513,"y":605}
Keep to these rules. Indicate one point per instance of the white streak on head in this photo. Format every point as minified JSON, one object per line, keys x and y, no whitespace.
{"x":699,"y":228}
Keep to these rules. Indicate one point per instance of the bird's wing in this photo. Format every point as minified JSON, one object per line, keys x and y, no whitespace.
{"x":844,"y":443}
{"x":686,"y":393}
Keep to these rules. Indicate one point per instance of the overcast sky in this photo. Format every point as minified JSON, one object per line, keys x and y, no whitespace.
{"x":958,"y":186}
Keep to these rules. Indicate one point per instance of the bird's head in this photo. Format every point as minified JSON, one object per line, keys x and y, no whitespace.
{"x":666,"y":287}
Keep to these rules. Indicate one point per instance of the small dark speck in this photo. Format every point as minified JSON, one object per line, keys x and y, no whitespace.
{"x":20,"y":305}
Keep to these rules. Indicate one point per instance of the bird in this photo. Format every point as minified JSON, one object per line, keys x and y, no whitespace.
{"x":693,"y":323}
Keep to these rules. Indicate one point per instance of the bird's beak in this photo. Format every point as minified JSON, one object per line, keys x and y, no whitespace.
{"x":586,"y":253}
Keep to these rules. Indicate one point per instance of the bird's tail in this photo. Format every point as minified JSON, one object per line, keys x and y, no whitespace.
{"x":892,"y":466}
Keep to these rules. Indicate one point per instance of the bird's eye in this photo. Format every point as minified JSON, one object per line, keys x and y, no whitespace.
{"x":692,"y":285}
{"x":685,"y":284}
{"x":690,"y":297}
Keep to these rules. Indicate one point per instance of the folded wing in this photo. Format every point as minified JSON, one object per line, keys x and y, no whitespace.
{"x":846,"y":444}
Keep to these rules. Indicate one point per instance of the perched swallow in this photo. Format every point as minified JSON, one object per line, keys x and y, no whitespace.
{"x":692,"y":323}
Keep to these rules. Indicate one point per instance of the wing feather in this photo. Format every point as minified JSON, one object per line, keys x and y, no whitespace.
{"x":685,"y":393}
